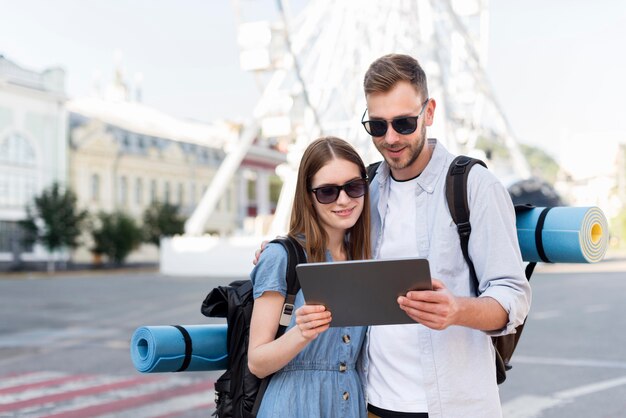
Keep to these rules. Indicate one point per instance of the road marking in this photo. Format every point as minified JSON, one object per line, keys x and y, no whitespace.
{"x":41,"y":383}
{"x":529,"y":406}
{"x":170,"y":407}
{"x":44,"y":337}
{"x":555,"y":361}
{"x":133,"y":401}
{"x":597,"y":308}
{"x":62,"y":395}
{"x":545,"y":315}
{"x":63,"y":392}
{"x":27,"y":378}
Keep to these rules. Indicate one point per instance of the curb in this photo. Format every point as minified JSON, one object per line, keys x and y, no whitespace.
{"x":28,"y":275}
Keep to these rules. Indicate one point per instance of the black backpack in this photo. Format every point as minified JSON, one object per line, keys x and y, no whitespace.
{"x":456,"y":196}
{"x":238,"y":392}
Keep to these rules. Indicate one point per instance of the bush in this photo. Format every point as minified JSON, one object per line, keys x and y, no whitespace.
{"x":161,"y":219}
{"x":53,"y":220}
{"x":115,"y":235}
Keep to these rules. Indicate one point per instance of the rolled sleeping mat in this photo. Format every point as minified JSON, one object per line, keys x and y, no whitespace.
{"x":177,"y":348}
{"x":563,"y":234}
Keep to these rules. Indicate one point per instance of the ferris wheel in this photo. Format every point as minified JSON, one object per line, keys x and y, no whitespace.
{"x":310,"y":65}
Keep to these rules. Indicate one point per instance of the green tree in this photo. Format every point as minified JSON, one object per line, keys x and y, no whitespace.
{"x":618,"y":228}
{"x":115,"y":235}
{"x":161,"y":219}
{"x":53,"y":220}
{"x":541,"y":163}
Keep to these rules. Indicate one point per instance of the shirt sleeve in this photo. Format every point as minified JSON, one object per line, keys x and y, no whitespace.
{"x":270,"y":272}
{"x":494,"y":249}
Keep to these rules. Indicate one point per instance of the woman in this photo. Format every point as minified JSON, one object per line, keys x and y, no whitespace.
{"x":314,"y":365}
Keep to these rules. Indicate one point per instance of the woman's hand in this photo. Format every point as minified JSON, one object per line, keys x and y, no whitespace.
{"x":312,"y":320}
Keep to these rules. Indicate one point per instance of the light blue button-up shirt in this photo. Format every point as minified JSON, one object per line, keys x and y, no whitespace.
{"x":459,"y":362}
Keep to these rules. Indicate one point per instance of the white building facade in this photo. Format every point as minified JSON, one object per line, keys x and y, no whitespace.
{"x":124,"y":156}
{"x":33,"y":149}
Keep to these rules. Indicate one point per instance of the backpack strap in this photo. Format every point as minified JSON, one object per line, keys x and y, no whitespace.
{"x":295,"y":256}
{"x":530,"y":267}
{"x":371,"y":171}
{"x":456,"y":196}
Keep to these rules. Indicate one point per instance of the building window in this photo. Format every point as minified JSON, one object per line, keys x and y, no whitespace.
{"x":18,"y":171}
{"x":95,"y":187}
{"x":192,"y":193}
{"x":153,"y":191}
{"x":123,"y":191}
{"x":12,"y":237}
{"x":275,"y":187}
{"x":16,"y":150}
{"x":181,"y":194}
{"x":166,"y":192}
{"x":138,"y":191}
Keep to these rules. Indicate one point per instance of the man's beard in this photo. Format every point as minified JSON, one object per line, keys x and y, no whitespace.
{"x":414,"y":152}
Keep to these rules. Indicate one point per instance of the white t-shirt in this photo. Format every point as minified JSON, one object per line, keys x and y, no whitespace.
{"x":395,"y":380}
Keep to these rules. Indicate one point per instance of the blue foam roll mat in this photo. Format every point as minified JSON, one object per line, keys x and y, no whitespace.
{"x":569,"y":234}
{"x":162,"y":348}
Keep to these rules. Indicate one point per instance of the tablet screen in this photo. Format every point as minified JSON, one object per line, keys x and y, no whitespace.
{"x":363,"y":292}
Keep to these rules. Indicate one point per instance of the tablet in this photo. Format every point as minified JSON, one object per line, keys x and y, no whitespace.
{"x":363,"y":292}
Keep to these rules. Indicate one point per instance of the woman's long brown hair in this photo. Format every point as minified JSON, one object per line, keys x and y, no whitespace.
{"x":304,"y":218}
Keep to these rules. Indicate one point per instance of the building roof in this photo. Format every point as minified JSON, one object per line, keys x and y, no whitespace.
{"x":139,"y":118}
{"x":49,"y":80}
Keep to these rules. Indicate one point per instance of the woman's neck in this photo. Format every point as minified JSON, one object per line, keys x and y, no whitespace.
{"x":336,"y":247}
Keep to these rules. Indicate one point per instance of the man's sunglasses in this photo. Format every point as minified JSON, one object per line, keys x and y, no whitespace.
{"x":403,"y":125}
{"x":329,"y":194}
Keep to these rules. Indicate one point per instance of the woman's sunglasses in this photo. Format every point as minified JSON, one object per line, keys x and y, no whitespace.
{"x":403,"y":125}
{"x":329,"y":194}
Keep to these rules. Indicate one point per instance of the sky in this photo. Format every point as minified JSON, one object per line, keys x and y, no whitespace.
{"x":557,"y":67}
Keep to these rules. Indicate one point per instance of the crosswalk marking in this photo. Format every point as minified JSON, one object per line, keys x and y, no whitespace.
{"x":59,"y":395}
{"x":57,"y":392}
{"x":173,"y":406}
{"x":26,"y":378}
{"x":40,"y":383}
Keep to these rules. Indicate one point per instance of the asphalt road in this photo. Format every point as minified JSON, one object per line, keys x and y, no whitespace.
{"x":64,"y":346}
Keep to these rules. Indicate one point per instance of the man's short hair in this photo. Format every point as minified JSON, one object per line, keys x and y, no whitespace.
{"x":384,"y":73}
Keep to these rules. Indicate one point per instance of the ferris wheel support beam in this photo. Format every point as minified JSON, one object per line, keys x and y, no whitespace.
{"x":480,"y":77}
{"x":198,"y":219}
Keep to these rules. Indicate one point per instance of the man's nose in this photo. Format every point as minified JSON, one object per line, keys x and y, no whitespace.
{"x":391,"y":136}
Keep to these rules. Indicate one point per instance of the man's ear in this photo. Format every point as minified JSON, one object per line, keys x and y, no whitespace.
{"x":429,"y":112}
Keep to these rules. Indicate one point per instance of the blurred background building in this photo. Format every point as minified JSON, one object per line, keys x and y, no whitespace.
{"x":33,"y":148}
{"x":117,"y":154}
{"x":125,"y":156}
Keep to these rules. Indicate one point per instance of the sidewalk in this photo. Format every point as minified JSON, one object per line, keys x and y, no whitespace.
{"x":614,"y":261}
{"x":79,"y":272}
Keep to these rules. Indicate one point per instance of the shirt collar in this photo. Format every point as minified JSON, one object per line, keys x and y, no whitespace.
{"x":428,"y":178}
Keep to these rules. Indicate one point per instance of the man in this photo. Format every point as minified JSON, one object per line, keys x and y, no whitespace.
{"x":444,"y":366}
